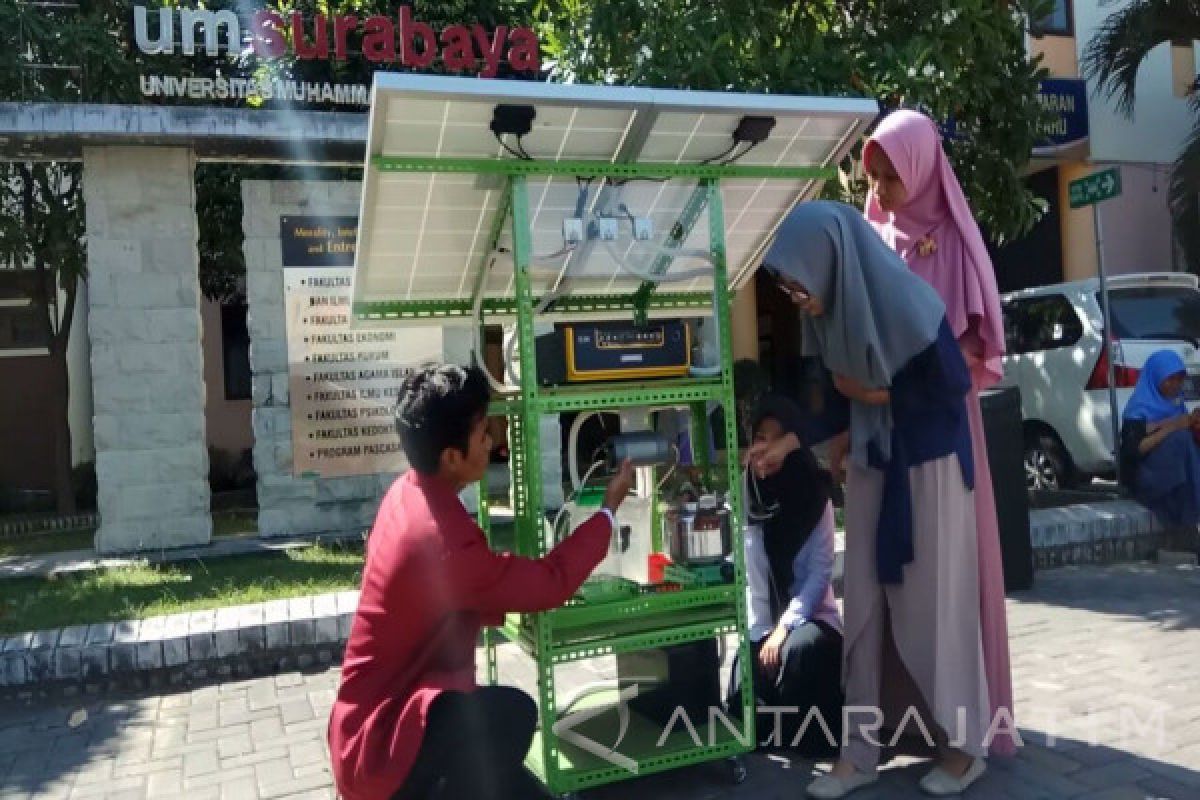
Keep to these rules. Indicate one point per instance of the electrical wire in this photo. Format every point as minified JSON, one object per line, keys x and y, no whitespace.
{"x":668,"y":277}
{"x":663,"y":481}
{"x":573,"y":443}
{"x":521,"y":154}
{"x":524,"y":152}
{"x":575,"y":493}
{"x":550,"y":299}
{"x":723,"y":155}
{"x":477,"y":351}
{"x":584,"y":185}
{"x":740,"y":155}
{"x":509,"y":374}
{"x":561,"y":253}
{"x":617,"y":183}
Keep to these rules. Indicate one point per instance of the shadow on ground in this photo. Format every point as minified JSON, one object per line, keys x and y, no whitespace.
{"x":1168,"y":596}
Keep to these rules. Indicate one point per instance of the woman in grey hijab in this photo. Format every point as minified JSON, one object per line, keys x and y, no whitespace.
{"x":911,"y":581}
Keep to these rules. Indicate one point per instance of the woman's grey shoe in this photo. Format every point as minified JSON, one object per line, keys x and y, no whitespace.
{"x":940,"y":783}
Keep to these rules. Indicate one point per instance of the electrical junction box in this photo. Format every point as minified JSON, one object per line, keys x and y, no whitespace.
{"x":605,"y":229}
{"x":572,"y":230}
{"x":643,"y":229}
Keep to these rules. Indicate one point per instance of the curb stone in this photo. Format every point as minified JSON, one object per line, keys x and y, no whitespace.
{"x":165,"y":650}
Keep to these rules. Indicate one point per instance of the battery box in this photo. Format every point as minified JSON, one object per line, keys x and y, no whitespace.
{"x":613,"y":351}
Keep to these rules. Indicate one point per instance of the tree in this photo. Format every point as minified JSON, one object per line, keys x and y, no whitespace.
{"x":218,"y":193}
{"x":1112,"y":59}
{"x":964,"y":63}
{"x":51,"y":52}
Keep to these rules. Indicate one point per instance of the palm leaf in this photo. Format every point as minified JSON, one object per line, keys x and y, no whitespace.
{"x":1127,"y":36}
{"x":1183,"y":198}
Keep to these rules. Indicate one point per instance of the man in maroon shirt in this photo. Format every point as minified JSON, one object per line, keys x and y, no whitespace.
{"x":409,"y":722}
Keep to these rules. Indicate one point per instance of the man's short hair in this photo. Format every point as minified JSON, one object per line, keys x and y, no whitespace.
{"x":437,"y":407}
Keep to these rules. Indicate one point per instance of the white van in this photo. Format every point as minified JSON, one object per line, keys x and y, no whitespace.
{"x":1055,"y":357}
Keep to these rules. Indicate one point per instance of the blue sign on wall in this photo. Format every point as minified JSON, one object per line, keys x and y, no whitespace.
{"x":1066,"y":100}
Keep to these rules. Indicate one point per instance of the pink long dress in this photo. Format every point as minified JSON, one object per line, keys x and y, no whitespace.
{"x":937,"y":236}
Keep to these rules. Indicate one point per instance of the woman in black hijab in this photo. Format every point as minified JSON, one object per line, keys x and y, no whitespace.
{"x":794,"y":622}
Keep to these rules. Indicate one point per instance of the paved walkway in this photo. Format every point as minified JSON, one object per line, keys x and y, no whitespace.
{"x":1109,"y":655}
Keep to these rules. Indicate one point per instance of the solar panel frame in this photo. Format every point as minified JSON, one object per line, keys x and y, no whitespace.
{"x":452,"y":237}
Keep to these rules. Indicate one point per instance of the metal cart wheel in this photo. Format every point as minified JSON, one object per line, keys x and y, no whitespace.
{"x":737,"y":769}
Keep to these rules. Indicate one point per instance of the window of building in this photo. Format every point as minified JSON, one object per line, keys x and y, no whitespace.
{"x":1041,"y":323}
{"x":22,"y":321}
{"x":1058,"y":22}
{"x":22,"y":330}
{"x":235,"y":338}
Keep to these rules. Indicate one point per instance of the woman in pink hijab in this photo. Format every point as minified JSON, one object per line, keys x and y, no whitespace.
{"x":917,"y":206}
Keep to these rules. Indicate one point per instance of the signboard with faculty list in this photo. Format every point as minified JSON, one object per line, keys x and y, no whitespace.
{"x":343,"y":380}
{"x":318,"y":241}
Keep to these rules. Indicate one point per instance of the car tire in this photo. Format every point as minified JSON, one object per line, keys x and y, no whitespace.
{"x":1047,"y":466}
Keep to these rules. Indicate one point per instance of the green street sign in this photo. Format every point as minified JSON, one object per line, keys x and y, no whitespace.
{"x":1095,"y":188}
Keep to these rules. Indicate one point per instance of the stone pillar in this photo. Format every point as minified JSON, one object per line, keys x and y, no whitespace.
{"x":147,"y":362}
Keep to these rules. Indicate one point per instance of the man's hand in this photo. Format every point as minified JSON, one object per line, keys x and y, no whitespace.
{"x":1194,"y":417}
{"x":619,"y":486}
{"x":771,"y":655}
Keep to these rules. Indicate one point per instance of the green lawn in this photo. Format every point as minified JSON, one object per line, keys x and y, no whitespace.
{"x":145,"y":591}
{"x":109,"y":595}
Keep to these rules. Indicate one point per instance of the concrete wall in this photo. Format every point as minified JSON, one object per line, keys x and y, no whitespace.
{"x":1162,"y":119}
{"x":227,"y":421}
{"x":1137,"y":225}
{"x":1058,"y":55}
{"x":144,"y":326}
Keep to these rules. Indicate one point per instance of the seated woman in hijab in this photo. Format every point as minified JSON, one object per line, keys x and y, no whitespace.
{"x":1159,"y":451}
{"x":795,"y":626}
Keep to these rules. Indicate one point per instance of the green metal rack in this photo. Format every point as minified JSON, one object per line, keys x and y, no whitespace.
{"x":651,"y":619}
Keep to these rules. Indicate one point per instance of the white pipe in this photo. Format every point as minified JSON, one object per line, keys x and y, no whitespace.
{"x":477,"y":350}
{"x":668,"y":277}
{"x":508,"y":358}
{"x":573,"y":446}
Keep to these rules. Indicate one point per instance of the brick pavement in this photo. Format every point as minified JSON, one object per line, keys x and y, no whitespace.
{"x":1109,"y":655}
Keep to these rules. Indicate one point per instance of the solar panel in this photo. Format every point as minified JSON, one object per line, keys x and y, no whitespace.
{"x":425,"y":236}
